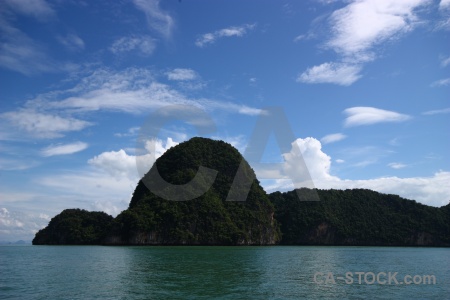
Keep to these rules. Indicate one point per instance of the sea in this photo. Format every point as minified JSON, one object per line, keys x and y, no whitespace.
{"x":191,"y":272}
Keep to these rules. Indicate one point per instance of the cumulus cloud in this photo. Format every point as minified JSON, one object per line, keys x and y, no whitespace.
{"x":433,"y":190}
{"x":144,"y":45}
{"x":120,"y":164}
{"x":64,"y":149}
{"x":331,"y":138}
{"x":357,"y":116}
{"x":212,"y":37}
{"x":116,"y":163}
{"x":317,"y":162}
{"x":157,"y":19}
{"x":337,"y":73}
{"x":181,"y":74}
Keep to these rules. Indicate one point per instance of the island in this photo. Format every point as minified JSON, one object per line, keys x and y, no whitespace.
{"x":342,"y":217}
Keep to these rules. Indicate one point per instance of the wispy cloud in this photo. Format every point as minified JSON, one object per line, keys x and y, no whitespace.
{"x":157,"y":19}
{"x":441,"y":82}
{"x":72,"y":42}
{"x":337,"y":73}
{"x":19,"y":52}
{"x":444,"y":5}
{"x":361,"y":25}
{"x":144,"y":45}
{"x":64,"y":149}
{"x":133,"y":90}
{"x":397,"y":165}
{"x":357,"y":116}
{"x":445,"y":61}
{"x":212,"y":37}
{"x":38,"y":9}
{"x":437,"y":111}
{"x":42,"y":124}
{"x":331,"y":138}
{"x":181,"y":74}
{"x":133,"y":131}
{"x":356,"y":30}
{"x":16,"y":165}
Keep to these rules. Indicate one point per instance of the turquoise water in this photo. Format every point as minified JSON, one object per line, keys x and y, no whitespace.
{"x":96,"y":272}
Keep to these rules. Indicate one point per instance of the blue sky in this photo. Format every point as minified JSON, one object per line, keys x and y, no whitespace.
{"x":364,"y":85}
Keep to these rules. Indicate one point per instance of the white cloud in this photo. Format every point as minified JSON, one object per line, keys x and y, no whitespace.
{"x":99,"y":190}
{"x":116,"y":163}
{"x":43,"y":125}
{"x":16,"y":165}
{"x":441,"y":82}
{"x":210,"y":38}
{"x":362,"y":24}
{"x":331,"y":138}
{"x":303,"y":37}
{"x":355,"y":31}
{"x":396,"y":165}
{"x":317,"y":162}
{"x":444,"y":4}
{"x":433,"y":190}
{"x":133,"y":131}
{"x":357,"y":116}
{"x":143,"y":44}
{"x":181,"y":74}
{"x":445,"y":61}
{"x":133,"y":90}
{"x":72,"y":42}
{"x":437,"y":111}
{"x":340,"y":161}
{"x":337,"y":73}
{"x":16,"y":225}
{"x":121,"y":165}
{"x":157,"y":19}
{"x":64,"y":149}
{"x":39,"y":9}
{"x":19,"y":52}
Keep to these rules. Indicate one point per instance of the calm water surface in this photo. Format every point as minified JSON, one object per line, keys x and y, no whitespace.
{"x":96,"y":272}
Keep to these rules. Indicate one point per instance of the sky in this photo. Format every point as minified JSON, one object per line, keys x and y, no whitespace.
{"x":362,"y":84}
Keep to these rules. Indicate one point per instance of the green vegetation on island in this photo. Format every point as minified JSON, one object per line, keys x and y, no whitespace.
{"x":341,"y":217}
{"x":360,"y":217}
{"x":75,"y":227}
